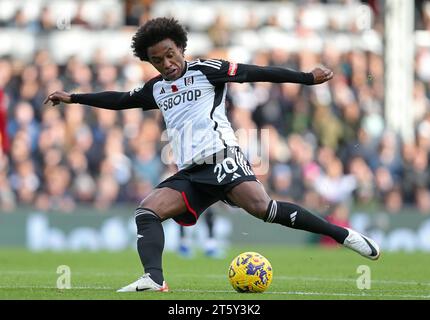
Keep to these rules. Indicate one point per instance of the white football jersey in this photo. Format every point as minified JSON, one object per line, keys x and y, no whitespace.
{"x":193,"y":108}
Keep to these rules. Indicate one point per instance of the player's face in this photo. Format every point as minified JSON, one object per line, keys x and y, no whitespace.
{"x":167,"y":58}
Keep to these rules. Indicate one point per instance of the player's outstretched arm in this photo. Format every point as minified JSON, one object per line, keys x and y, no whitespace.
{"x":253,"y":73}
{"x":107,"y":100}
{"x":281,"y":75}
{"x":112,"y":100}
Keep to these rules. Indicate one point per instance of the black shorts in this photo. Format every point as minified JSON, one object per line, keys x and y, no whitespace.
{"x":201,"y":185}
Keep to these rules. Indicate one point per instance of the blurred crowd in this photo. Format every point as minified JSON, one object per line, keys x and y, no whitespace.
{"x":329,"y":146}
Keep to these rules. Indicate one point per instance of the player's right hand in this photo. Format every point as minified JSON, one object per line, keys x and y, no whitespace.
{"x":57,"y":97}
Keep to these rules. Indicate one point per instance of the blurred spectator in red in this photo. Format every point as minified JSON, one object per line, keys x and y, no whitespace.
{"x":4,"y":139}
{"x":7,"y":196}
{"x":338,"y":215}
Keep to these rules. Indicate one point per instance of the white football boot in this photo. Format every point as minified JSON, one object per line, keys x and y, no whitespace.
{"x":145,"y":283}
{"x":361,"y":244}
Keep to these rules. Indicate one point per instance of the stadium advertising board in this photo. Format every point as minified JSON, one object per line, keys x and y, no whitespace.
{"x":90,"y":230}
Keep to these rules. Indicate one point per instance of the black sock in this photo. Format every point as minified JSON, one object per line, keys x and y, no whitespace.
{"x":296,"y":217}
{"x":150,"y":243}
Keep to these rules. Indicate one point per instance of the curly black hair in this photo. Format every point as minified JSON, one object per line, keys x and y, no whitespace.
{"x":156,"y":30}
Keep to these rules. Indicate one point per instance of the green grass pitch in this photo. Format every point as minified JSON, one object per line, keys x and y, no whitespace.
{"x":299,"y":273}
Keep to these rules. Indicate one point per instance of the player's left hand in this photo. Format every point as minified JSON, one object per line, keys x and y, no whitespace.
{"x":57,"y":97}
{"x":322,"y":74}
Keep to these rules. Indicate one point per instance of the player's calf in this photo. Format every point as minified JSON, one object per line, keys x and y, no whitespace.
{"x":297,"y":217}
{"x":150,"y":242}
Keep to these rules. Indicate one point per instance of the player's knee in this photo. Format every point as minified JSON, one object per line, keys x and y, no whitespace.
{"x":145,"y":215}
{"x":152,"y":206}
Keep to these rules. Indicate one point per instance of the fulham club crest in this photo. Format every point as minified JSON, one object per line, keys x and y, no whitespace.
{"x":188,"y":81}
